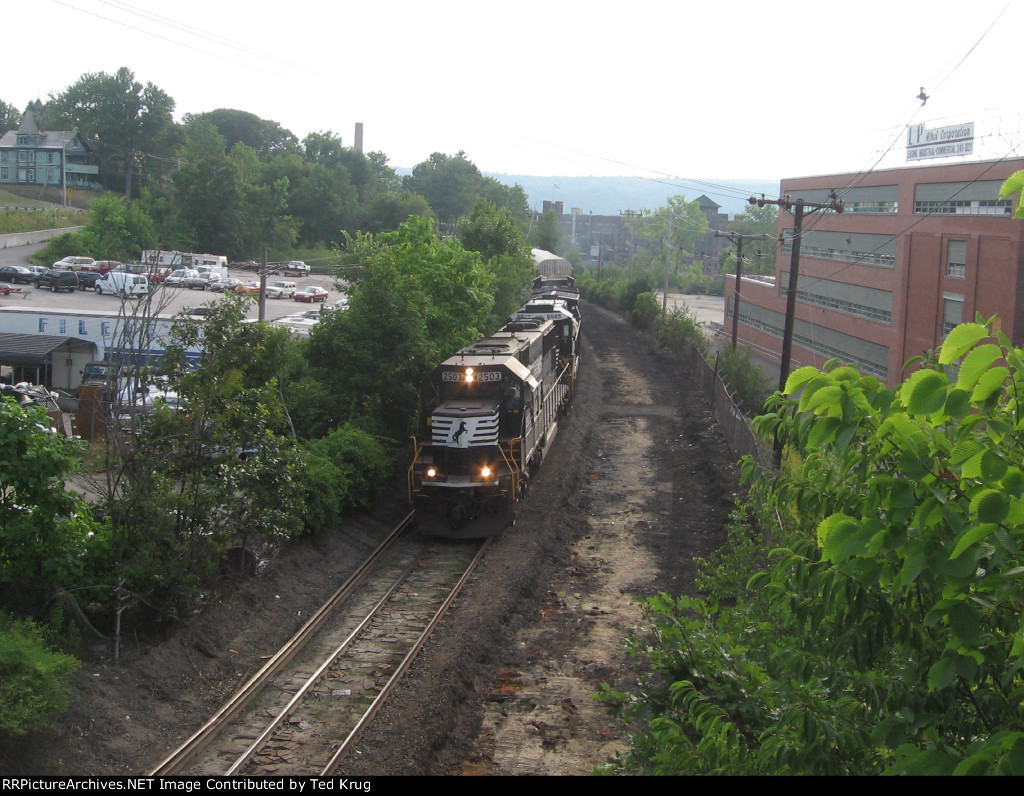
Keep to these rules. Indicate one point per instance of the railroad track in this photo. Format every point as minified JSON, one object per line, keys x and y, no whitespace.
{"x":307,"y":704}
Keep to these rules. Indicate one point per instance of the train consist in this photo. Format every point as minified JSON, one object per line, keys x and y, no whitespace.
{"x":490,"y":412}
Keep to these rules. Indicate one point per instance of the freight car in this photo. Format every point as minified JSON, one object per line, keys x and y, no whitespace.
{"x":489,"y":415}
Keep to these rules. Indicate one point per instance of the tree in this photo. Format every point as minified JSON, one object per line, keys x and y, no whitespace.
{"x":267,"y":138}
{"x":418,"y":298}
{"x":889,"y":640}
{"x":116,"y":229}
{"x":758,"y":256}
{"x":495,"y":233}
{"x":388,"y":211}
{"x":208,"y":465}
{"x":548,"y":234}
{"x":208,"y":189}
{"x":686,"y":224}
{"x":10,"y":118}
{"x":449,"y":183}
{"x":126,"y":121}
{"x":43,"y":527}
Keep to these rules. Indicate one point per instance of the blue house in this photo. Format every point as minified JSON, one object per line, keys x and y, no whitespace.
{"x":58,"y":158}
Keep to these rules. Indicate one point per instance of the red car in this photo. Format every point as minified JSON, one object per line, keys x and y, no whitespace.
{"x":310,"y":293}
{"x":103,"y":266}
{"x":248,"y":287}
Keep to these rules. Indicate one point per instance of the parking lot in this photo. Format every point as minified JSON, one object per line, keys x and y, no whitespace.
{"x":169,"y":300}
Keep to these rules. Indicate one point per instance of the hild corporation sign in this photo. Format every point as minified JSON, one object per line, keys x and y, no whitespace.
{"x":942,"y":142}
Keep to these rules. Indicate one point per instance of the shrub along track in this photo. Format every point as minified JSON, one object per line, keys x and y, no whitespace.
{"x":639,"y":482}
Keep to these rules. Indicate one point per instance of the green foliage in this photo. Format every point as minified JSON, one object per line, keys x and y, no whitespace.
{"x":33,"y":690}
{"x":345,"y":470}
{"x":749,"y":385}
{"x":418,"y":299}
{"x":891,"y":640}
{"x":40,"y":536}
{"x":1014,"y":185}
{"x":114,"y":229}
{"x":548,"y":234}
{"x":645,"y":310}
{"x":680,"y":330}
{"x":449,"y":183}
{"x":214,"y":469}
{"x":123,"y":119}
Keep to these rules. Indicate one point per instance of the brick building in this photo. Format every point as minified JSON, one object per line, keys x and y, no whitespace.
{"x":916,"y":251}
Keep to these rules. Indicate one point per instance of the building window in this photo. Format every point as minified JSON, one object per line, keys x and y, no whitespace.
{"x":952,"y":312}
{"x":5,"y":174}
{"x":965,"y":207}
{"x":3,"y":156}
{"x":871,"y":207}
{"x":842,"y":255}
{"x":956,"y":259}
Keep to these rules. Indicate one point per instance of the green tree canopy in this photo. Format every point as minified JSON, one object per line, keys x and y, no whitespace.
{"x":267,"y":138}
{"x":449,"y":183}
{"x":126,"y":121}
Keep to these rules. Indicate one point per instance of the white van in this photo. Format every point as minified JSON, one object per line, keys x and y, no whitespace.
{"x":121,"y":283}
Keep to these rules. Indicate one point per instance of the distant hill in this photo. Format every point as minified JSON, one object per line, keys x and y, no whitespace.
{"x":608,"y":196}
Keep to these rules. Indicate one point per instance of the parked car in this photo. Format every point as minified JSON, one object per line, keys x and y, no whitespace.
{"x":310,"y":293}
{"x":73,"y":263}
{"x":225,"y":285}
{"x":177,"y":278}
{"x":280,"y":288}
{"x":57,"y":279}
{"x":103,"y":266}
{"x":88,"y":279}
{"x":252,"y":286}
{"x":16,"y":274}
{"x":35,"y":269}
{"x":196,"y":281}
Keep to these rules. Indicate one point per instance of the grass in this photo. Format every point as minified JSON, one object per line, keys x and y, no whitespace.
{"x":42,"y":214}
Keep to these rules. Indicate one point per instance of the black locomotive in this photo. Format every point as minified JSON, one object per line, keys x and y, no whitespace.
{"x":491,"y":412}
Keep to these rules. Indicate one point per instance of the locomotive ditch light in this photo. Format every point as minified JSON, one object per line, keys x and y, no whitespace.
{"x":431,"y":472}
{"x":486,"y":472}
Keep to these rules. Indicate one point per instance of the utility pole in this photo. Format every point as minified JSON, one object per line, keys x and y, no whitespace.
{"x":798,"y":208}
{"x":738,"y":240}
{"x":668,"y":260}
{"x":794,"y":272}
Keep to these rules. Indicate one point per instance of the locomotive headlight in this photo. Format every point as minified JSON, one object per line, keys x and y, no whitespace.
{"x":431,"y":472}
{"x":486,"y":472}
{"x":469,"y":375}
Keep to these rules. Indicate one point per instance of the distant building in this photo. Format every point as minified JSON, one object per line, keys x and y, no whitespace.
{"x":613,"y":239}
{"x":916,"y":251}
{"x":55,"y":158}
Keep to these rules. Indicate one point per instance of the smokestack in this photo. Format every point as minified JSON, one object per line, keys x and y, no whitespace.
{"x":359,"y":137}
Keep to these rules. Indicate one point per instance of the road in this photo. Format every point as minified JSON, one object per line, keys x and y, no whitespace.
{"x":170,"y":300}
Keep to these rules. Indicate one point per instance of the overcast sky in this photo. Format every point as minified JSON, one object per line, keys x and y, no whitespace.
{"x":647,"y":88}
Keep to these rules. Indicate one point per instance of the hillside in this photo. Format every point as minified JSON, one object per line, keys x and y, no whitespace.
{"x":612,"y":195}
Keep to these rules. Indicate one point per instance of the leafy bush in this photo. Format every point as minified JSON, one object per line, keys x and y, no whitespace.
{"x":750,"y":386}
{"x":889,"y":641}
{"x":645,"y":310}
{"x":680,"y":330}
{"x":345,"y":469}
{"x":32,"y":687}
